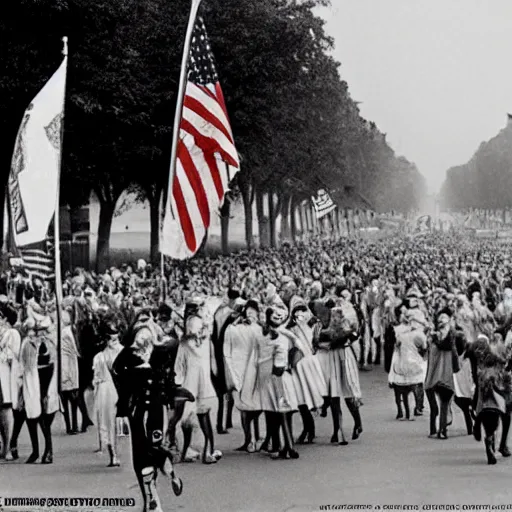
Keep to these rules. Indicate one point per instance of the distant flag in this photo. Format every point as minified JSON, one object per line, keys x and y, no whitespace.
{"x":207,"y":159}
{"x":323,"y":204}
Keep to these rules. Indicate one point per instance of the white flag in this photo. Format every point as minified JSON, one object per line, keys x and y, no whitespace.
{"x":323,"y":204}
{"x":34,"y":176}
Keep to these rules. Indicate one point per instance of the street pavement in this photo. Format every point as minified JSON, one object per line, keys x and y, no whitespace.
{"x":393,"y":463}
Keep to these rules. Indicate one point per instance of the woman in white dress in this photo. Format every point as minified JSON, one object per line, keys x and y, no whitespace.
{"x":10,"y":345}
{"x":240,"y":342}
{"x":105,"y":393}
{"x":195,"y":363}
{"x":408,"y":364}
{"x":307,"y":375}
{"x":274,"y":384}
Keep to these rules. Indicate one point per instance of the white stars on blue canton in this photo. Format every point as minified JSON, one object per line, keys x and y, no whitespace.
{"x":201,"y":66}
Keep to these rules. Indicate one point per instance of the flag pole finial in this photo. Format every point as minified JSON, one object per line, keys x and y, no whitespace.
{"x":65,"y":47}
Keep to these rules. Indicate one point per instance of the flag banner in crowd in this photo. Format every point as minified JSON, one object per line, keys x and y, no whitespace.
{"x":38,"y":260}
{"x":35,"y":167}
{"x":207,"y":159}
{"x":323,"y":204}
{"x":424,"y":224}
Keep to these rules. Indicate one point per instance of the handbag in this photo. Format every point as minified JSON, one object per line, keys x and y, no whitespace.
{"x":295,"y":354}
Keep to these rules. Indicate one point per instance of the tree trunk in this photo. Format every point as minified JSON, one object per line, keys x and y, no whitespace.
{"x":224,"y":227}
{"x":314,"y":220}
{"x":262,"y":221}
{"x":293,"y":220}
{"x":302,"y":223}
{"x":154,"y":217}
{"x":248,"y":198}
{"x":285,"y":218}
{"x":271,"y":220}
{"x":107,"y":210}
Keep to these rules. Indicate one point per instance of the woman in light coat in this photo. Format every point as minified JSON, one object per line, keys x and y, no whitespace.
{"x":10,"y":385}
{"x":40,"y":396}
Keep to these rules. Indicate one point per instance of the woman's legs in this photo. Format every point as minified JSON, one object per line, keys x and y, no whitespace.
{"x":464,"y":405}
{"x":206,"y":428}
{"x":187,"y":430}
{"x":505,"y":426}
{"x":419,"y":397}
{"x":434,"y":410}
{"x":308,"y":432}
{"x":445,"y":397}
{"x":490,"y":421}
{"x":46,"y":421}
{"x":398,"y":401}
{"x":246,"y":427}
{"x":353,"y":407}
{"x":64,"y":396}
{"x":32,"y":430}
{"x":6,"y":428}
{"x":19,"y":420}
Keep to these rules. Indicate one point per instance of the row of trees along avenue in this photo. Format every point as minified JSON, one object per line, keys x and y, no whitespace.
{"x":485,"y":182}
{"x":296,"y":127}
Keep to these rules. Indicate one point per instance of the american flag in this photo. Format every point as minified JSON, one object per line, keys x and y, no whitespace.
{"x":39,"y":261}
{"x":207,"y":159}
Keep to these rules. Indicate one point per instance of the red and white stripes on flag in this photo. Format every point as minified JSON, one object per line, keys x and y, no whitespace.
{"x":323,"y":204}
{"x":39,"y":261}
{"x":207,"y":159}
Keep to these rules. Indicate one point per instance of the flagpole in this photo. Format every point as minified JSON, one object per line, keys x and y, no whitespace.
{"x":56,"y":234}
{"x":177,"y":118}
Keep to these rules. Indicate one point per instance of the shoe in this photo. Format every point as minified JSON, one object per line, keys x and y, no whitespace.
{"x":217,"y":454}
{"x":293,"y":454}
{"x":282,"y":455}
{"x":343,"y":443}
{"x":222,"y":431}
{"x":177,"y":486}
{"x":251,"y":448}
{"x":400,"y":415}
{"x":8,"y":457}
{"x":47,"y":458}
{"x":242,"y":448}
{"x":209,"y":459}
{"x":442,"y":435}
{"x":418,"y":412}
{"x":505,"y":452}
{"x":335,"y":439}
{"x":33,"y":458}
{"x":357,"y":432}
{"x":302,"y":438}
{"x":491,"y":457}
{"x":14,"y":453}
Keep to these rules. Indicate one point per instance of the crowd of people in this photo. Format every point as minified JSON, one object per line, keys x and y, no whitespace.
{"x":268,"y":332}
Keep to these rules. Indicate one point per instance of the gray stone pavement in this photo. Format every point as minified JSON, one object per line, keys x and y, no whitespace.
{"x":393,"y":463}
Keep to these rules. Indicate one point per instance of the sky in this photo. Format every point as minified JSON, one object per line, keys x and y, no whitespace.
{"x":434,"y":75}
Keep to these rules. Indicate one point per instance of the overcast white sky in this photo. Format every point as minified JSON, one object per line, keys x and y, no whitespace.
{"x":435,"y":75}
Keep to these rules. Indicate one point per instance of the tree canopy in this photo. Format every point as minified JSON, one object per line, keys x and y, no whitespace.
{"x":295,"y":124}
